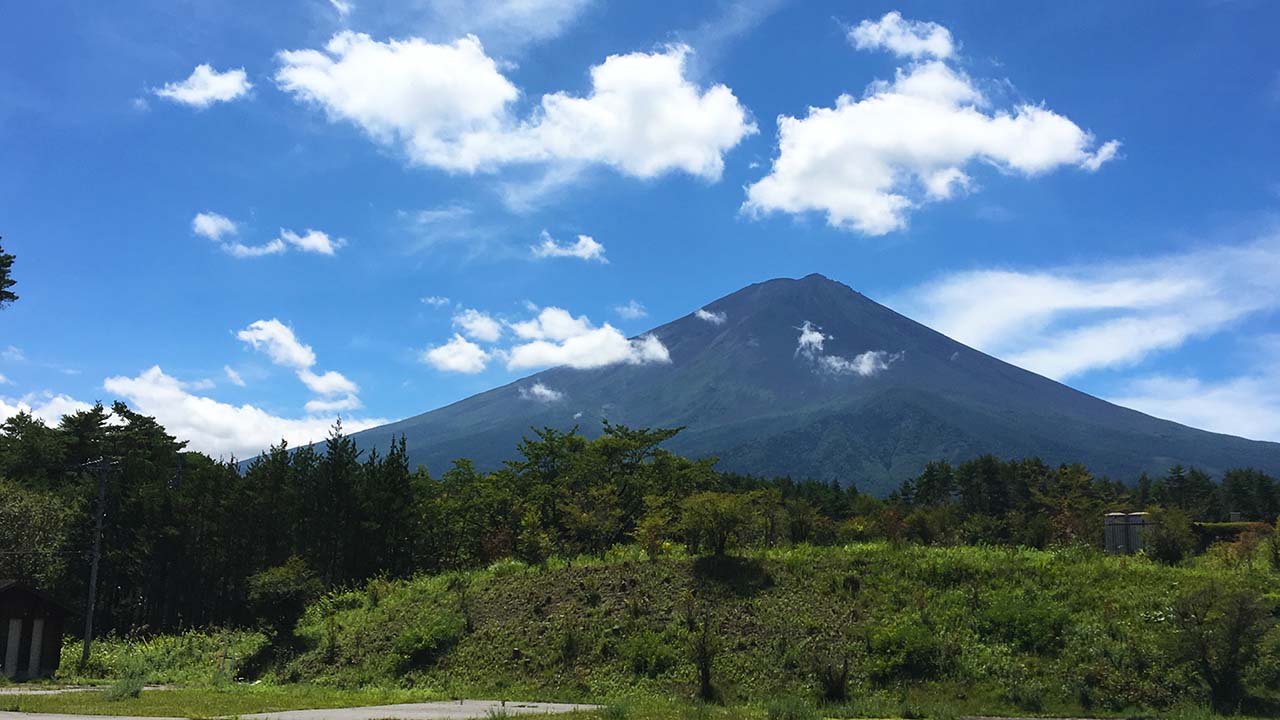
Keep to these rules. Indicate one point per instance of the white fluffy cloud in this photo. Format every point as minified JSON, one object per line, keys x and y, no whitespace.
{"x":905,"y":38}
{"x":328,"y":383}
{"x":864,"y":364}
{"x":715,"y":318}
{"x":594,"y":348}
{"x":553,"y":337}
{"x":46,"y":406}
{"x":280,"y":344}
{"x":552,"y":323}
{"x":206,"y":86}
{"x":278,"y":341}
{"x":1067,"y":321}
{"x":644,"y":118}
{"x":541,"y":393}
{"x":449,"y":106}
{"x":219,"y":428}
{"x":586,"y":248}
{"x":868,"y":162}
{"x":633,"y":310}
{"x":210,"y":426}
{"x":240,"y":250}
{"x":312,"y":241}
{"x":443,"y":103}
{"x":221,"y":229}
{"x":478,"y":325}
{"x":811,"y":340}
{"x":811,"y":345}
{"x":213,"y":226}
{"x":458,"y":355}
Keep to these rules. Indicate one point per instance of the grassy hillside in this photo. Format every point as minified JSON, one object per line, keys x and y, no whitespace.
{"x":915,"y":629}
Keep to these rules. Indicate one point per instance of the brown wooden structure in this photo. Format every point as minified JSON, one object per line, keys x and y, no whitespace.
{"x":31,"y":626}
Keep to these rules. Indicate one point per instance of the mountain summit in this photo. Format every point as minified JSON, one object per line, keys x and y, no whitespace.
{"x":810,"y":378}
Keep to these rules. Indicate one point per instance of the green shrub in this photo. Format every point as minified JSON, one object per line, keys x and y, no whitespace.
{"x":791,"y":708}
{"x":422,"y":643}
{"x":569,"y":647}
{"x":279,"y":595}
{"x":1170,"y":537}
{"x":833,"y":680}
{"x":132,"y":679}
{"x":648,"y":654}
{"x":1218,"y":631}
{"x":1026,"y":621}
{"x":906,"y":648}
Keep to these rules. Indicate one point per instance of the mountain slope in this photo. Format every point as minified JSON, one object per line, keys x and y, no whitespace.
{"x":869,"y":398}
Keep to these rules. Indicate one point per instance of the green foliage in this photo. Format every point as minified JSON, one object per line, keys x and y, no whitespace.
{"x":714,"y":521}
{"x":1026,"y":621}
{"x":649,"y":654}
{"x":425,"y":641}
{"x":1218,"y":631}
{"x":1170,"y":537}
{"x":904,"y":647}
{"x":789,"y":707}
{"x":130,"y":682}
{"x":6,"y":279}
{"x":279,"y":595}
{"x":615,"y":711}
{"x":36,"y":530}
{"x":192,"y":658}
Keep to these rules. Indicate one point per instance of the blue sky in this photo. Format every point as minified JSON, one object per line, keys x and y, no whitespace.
{"x":245,"y":218}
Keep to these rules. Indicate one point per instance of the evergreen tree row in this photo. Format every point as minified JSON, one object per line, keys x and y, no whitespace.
{"x":186,"y":537}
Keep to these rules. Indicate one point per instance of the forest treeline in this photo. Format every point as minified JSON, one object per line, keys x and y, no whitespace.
{"x":186,"y":537}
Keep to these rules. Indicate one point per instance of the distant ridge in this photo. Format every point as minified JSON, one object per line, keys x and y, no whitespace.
{"x":880,"y":398}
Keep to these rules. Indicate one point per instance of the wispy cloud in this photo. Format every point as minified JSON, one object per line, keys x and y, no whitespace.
{"x":540,"y":393}
{"x":1067,"y":321}
{"x":1246,"y":404}
{"x":715,"y":318}
{"x":633,"y":310}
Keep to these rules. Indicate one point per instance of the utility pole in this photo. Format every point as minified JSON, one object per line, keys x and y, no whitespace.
{"x":102,"y":464}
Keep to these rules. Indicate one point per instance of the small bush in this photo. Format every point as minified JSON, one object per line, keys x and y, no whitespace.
{"x":1218,"y":631}
{"x":421,"y":644}
{"x":833,"y":680}
{"x":1027,"y":696}
{"x":279,"y":595}
{"x":1025,"y":621}
{"x":569,"y":646}
{"x":648,"y":654}
{"x":1170,"y":537}
{"x":133,"y":678}
{"x":906,"y":648}
{"x":703,"y":647}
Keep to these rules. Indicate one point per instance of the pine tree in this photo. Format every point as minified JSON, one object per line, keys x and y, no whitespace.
{"x":6,"y":279}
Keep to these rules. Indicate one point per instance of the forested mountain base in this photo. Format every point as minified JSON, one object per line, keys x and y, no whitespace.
{"x":185,"y":536}
{"x":689,"y":581}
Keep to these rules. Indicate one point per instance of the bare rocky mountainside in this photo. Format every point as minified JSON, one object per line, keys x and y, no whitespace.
{"x":810,"y":378}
